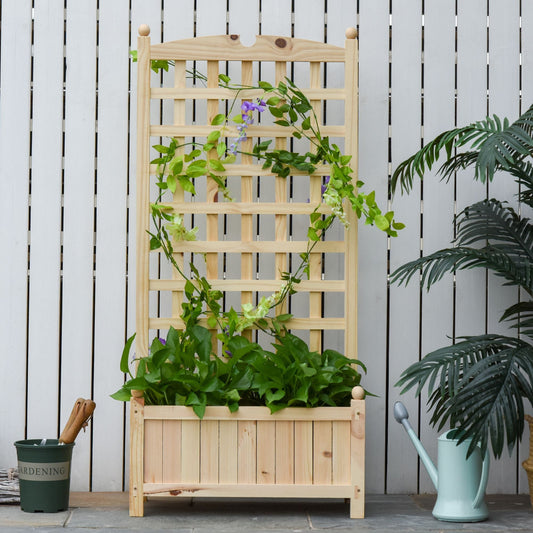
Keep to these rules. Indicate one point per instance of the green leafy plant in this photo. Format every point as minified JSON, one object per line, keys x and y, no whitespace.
{"x":480,"y":383}
{"x":182,"y":370}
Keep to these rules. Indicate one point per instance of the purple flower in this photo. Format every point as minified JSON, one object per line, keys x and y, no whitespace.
{"x":228,"y":353}
{"x":324,"y":185}
{"x":162,"y":341}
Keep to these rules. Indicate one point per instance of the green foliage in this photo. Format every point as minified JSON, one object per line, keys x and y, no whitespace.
{"x":480,"y":383}
{"x":184,"y":371}
{"x":493,"y":145}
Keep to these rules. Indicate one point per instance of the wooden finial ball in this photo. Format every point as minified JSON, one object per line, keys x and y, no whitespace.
{"x":144,"y":30}
{"x":358,"y":393}
{"x":351,"y":33}
{"x":139,"y":393}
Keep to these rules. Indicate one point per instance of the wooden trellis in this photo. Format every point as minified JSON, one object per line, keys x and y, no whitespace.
{"x":329,"y":471}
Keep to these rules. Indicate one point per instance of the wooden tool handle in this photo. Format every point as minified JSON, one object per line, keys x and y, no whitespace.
{"x":79,"y":416}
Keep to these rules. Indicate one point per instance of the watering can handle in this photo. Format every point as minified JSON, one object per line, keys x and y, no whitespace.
{"x":478,"y":500}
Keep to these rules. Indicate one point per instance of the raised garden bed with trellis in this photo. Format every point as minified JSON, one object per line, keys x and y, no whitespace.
{"x":295,"y":452}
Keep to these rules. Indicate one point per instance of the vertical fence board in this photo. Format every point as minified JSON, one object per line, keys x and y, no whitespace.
{"x":111,"y":231}
{"x":504,"y":75}
{"x":45,"y":225}
{"x":527,"y":100}
{"x":439,"y":115}
{"x":78,"y":221}
{"x":15,"y":77}
{"x":404,"y":312}
{"x":373,"y":171}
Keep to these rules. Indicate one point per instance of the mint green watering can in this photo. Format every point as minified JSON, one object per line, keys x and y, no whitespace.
{"x":460,"y":482}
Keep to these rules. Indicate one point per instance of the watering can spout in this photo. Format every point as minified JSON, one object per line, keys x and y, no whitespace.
{"x":401,"y":415}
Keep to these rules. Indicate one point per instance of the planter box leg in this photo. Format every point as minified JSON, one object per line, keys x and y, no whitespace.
{"x":136,"y":457}
{"x":357,"y":448}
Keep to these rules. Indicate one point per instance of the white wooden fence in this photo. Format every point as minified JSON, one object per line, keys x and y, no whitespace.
{"x":67,"y":123}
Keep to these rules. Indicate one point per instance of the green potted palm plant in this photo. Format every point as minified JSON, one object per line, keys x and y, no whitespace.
{"x":482,"y":384}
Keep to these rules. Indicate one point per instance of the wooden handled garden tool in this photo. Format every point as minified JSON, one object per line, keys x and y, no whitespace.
{"x":79,"y":418}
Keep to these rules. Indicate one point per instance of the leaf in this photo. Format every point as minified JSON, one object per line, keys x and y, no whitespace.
{"x":275,"y":111}
{"x":155,"y":243}
{"x":221,"y":149}
{"x":213,"y":136}
{"x":122,"y":395}
{"x":160,"y":148}
{"x":306,"y":124}
{"x":216,"y":165}
{"x":218,"y":120}
{"x":172,"y":183}
{"x":125,"y":358}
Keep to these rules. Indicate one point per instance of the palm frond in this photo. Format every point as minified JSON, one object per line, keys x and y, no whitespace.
{"x":494,"y":145}
{"x":523,"y":172}
{"x":477,"y":384}
{"x":491,"y":222}
{"x":432,"y":268}
{"x":522,"y":316}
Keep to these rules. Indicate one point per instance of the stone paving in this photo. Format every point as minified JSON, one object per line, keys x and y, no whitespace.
{"x":108,"y":512}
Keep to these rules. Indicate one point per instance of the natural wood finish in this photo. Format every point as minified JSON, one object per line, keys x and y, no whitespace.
{"x":227,"y":456}
{"x":265,"y":48}
{"x":247,"y":195}
{"x":190,"y":450}
{"x":340,"y":473}
{"x":244,"y":490}
{"x":209,"y":447}
{"x":254,"y":170}
{"x":136,"y":494}
{"x":247,"y":451}
{"x":231,"y":131}
{"x":204,"y":93}
{"x":171,"y":445}
{"x":266,"y":452}
{"x":180,"y":73}
{"x":315,"y":194}
{"x":143,"y":193}
{"x":303,"y":457}
{"x":236,"y":247}
{"x":246,"y":413}
{"x":357,"y":459}
{"x":350,"y":256}
{"x":230,"y":285}
{"x":293,"y":323}
{"x":249,"y":208}
{"x":153,"y":451}
{"x":322,"y":454}
{"x":285,"y":452}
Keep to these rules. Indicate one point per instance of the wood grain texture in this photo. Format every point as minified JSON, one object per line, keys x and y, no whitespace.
{"x":229,"y":48}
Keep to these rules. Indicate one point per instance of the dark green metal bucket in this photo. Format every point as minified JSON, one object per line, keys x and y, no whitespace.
{"x":44,"y":475}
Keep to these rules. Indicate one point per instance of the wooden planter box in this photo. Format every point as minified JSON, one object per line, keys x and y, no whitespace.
{"x":295,"y":453}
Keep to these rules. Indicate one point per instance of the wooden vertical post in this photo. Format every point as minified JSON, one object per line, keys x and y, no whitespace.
{"x":350,"y":148}
{"x":315,"y":194}
{"x":247,"y":270}
{"x":136,"y":457}
{"x":357,"y":451}
{"x":143,"y":188}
